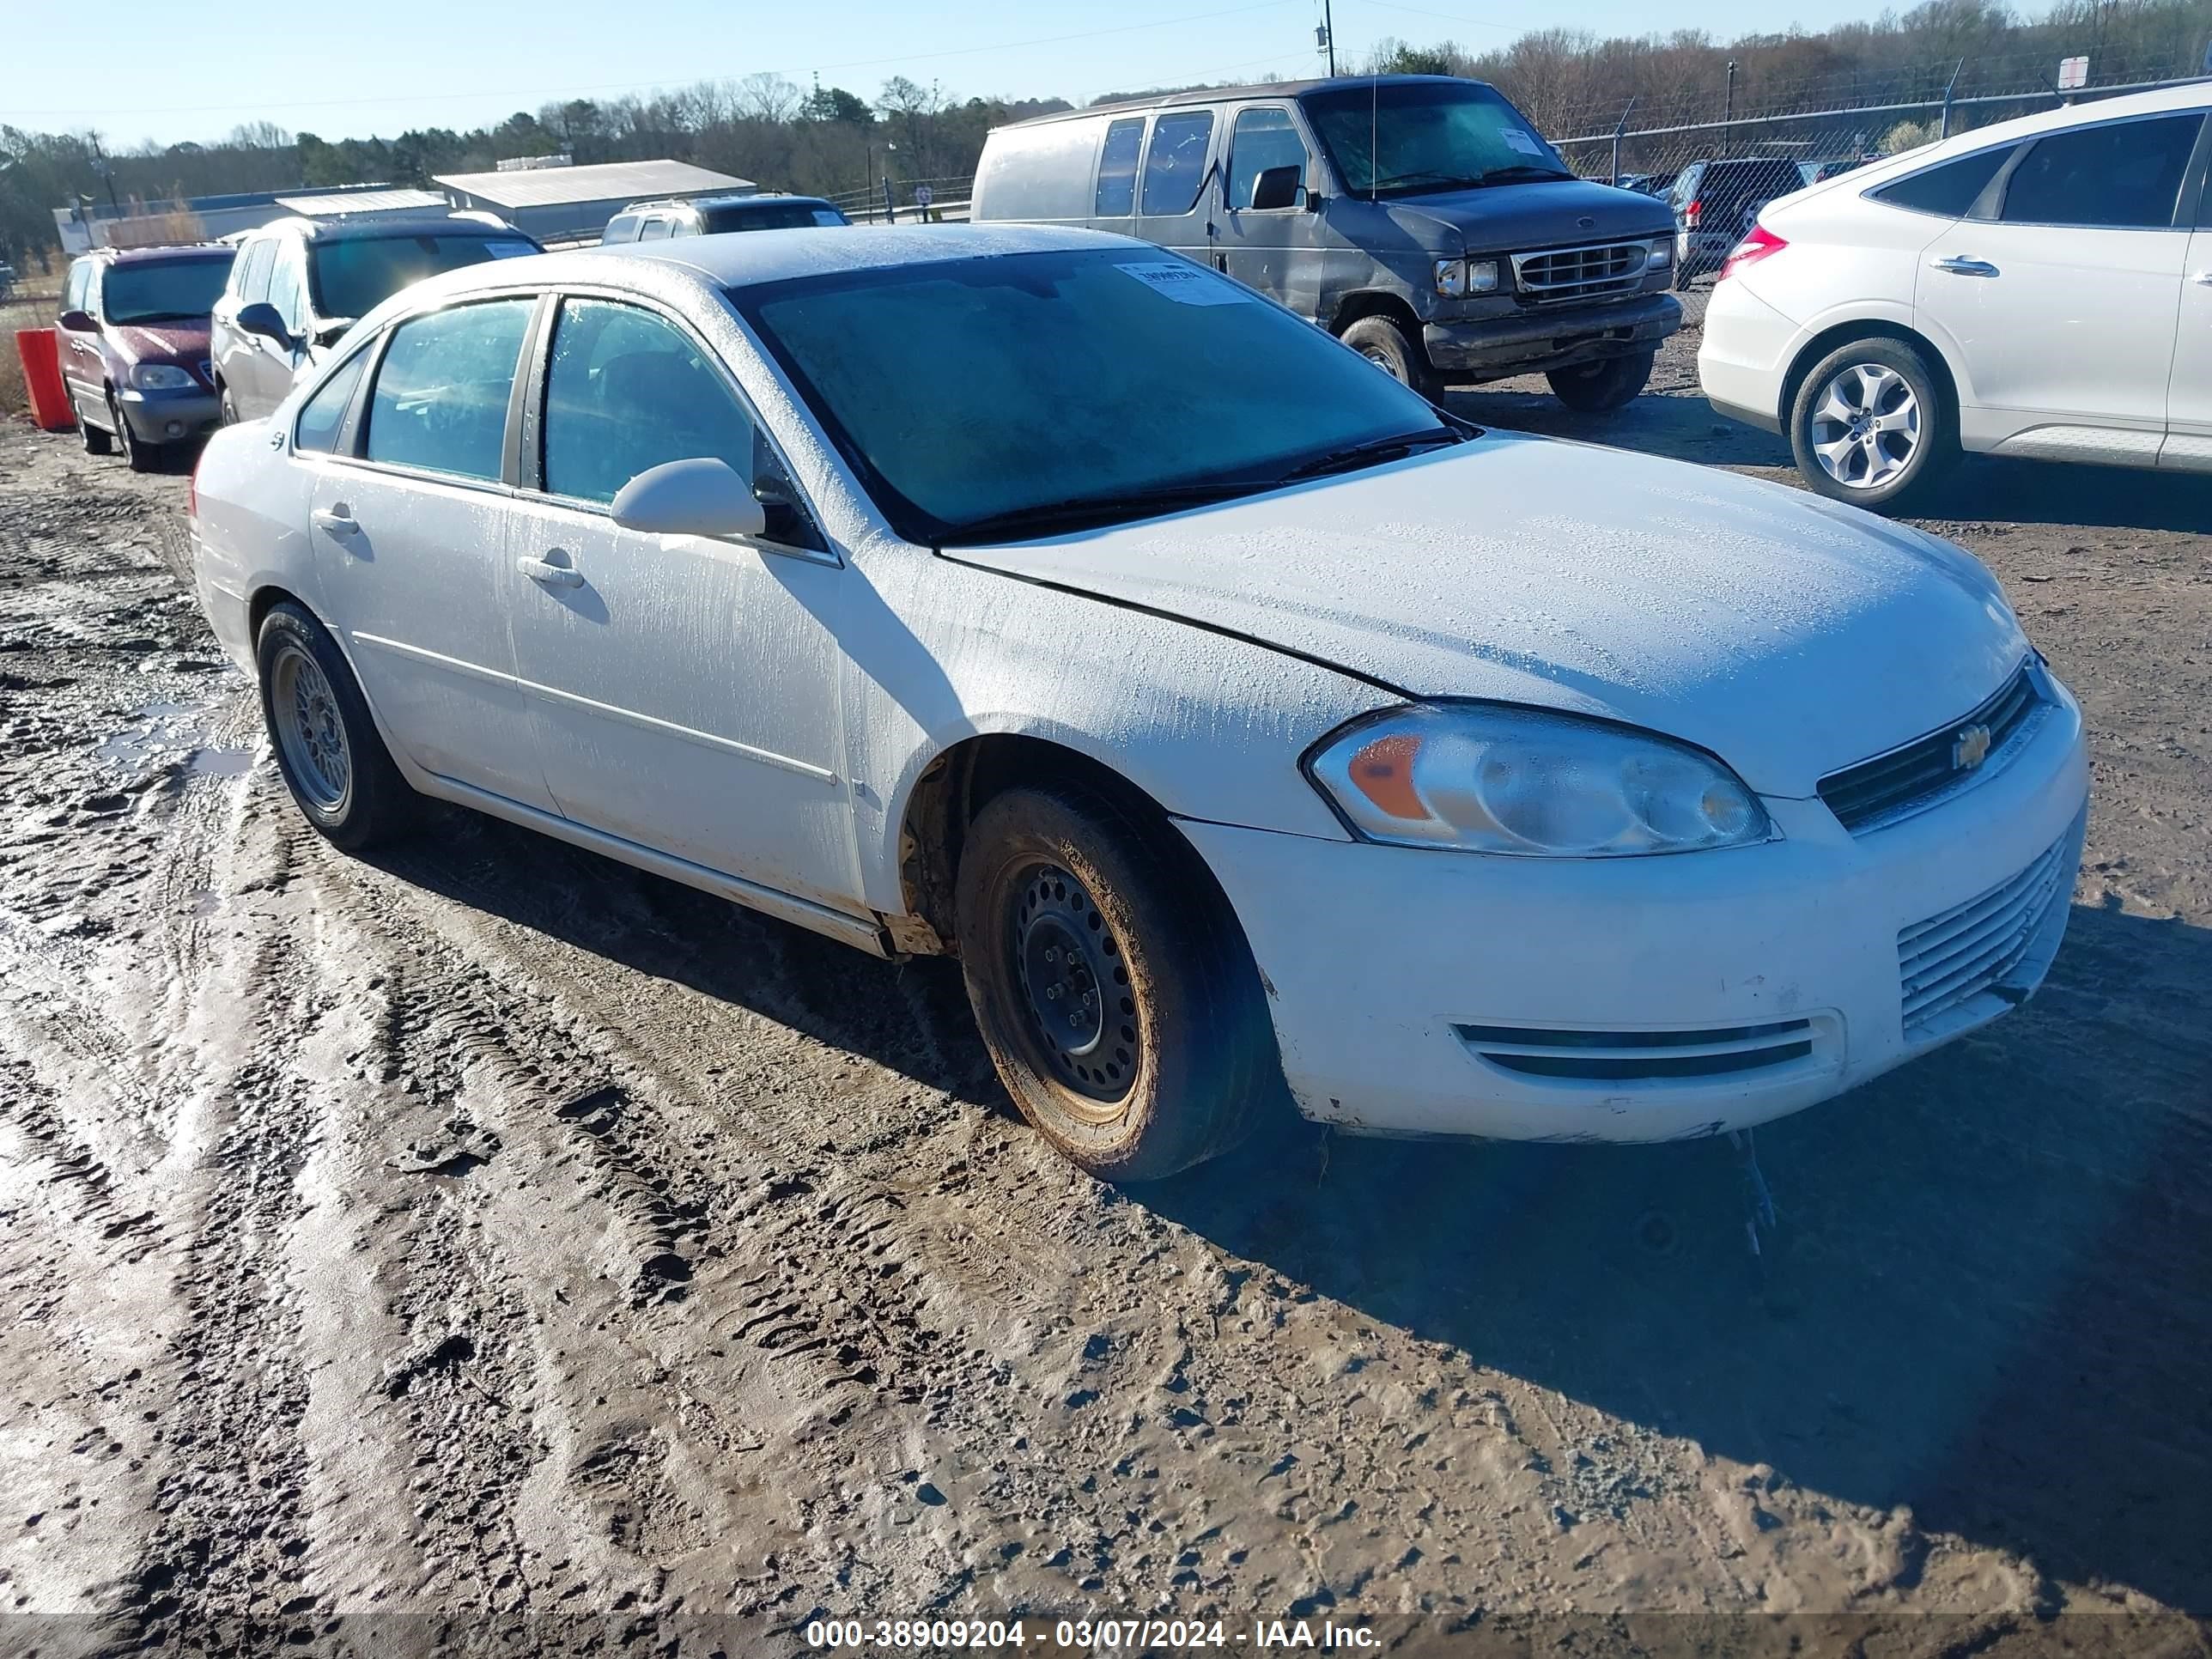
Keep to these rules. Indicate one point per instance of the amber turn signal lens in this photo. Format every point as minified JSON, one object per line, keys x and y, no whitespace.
{"x":1384,"y":772}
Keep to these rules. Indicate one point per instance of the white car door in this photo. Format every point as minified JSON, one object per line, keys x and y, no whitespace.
{"x":2188,"y":394}
{"x":410,"y":530}
{"x":685,"y":689}
{"x":2061,"y":307}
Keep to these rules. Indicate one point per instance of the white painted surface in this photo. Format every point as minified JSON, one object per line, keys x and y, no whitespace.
{"x":754,"y":722}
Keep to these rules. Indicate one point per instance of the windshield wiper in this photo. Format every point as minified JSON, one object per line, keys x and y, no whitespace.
{"x":1429,"y":180}
{"x":1090,"y":511}
{"x":1519,"y":172}
{"x":1373,"y":452}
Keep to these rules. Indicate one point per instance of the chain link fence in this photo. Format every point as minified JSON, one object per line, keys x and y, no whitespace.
{"x":896,"y":200}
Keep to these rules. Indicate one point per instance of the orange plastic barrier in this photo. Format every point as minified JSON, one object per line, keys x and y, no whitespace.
{"x":42,"y":373}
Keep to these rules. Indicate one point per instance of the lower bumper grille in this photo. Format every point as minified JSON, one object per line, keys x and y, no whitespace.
{"x":1986,"y":947}
{"x":1639,"y":1056}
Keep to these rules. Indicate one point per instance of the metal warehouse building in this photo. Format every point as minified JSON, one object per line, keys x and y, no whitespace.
{"x":562,"y":204}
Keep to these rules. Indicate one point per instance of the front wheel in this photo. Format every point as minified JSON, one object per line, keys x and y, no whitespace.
{"x":1391,"y":347}
{"x":142,"y":456}
{"x":335,"y":765}
{"x":1601,"y":388}
{"x":1112,"y":984}
{"x":1871,"y":424}
{"x":96,"y":441}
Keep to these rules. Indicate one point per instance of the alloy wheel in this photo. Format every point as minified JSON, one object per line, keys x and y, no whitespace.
{"x":310,"y":729}
{"x":1866,"y":426}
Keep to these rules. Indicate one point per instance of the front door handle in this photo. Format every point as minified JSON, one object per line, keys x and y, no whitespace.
{"x":552,"y":576}
{"x":1960,"y":266}
{"x":2203,"y":279}
{"x":335,"y":519}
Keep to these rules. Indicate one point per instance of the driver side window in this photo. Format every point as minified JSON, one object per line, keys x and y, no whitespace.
{"x":627,"y":391}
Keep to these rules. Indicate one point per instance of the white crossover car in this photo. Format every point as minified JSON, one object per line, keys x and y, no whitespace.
{"x":2041,"y":288}
{"x":1239,"y":720}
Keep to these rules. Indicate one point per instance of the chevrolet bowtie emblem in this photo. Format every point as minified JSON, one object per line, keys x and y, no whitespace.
{"x":1969,"y":748}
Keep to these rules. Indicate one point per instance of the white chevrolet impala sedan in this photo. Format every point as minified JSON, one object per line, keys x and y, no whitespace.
{"x":1250,"y":730}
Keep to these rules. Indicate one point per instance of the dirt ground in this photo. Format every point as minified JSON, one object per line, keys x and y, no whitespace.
{"x":491,"y":1246}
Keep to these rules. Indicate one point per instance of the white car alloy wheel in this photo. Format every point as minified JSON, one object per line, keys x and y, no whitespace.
{"x":310,"y":729}
{"x":1866,"y":427}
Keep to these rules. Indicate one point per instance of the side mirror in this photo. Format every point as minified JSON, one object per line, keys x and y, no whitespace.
{"x":76,"y":322}
{"x":1278,"y":187}
{"x":702,"y":496}
{"x":263,"y":318}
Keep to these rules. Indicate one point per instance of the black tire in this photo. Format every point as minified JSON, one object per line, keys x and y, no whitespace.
{"x":142,"y":456}
{"x":1386,"y":344}
{"x":1935,"y":447}
{"x":96,"y":441}
{"x":1185,"y":1058}
{"x":372,"y":802}
{"x":1684,"y":271}
{"x":1601,"y":388}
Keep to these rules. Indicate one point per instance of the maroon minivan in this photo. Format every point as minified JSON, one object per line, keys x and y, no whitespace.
{"x":132,"y":336}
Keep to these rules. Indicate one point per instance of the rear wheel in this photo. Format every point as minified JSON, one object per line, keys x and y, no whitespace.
{"x":1603,"y":386}
{"x":340,"y":773}
{"x":1111,"y":983}
{"x":1389,"y":346}
{"x":1871,"y":424}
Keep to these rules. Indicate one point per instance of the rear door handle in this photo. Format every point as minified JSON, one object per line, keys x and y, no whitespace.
{"x":552,"y":576}
{"x":336,"y":520}
{"x":1960,"y":266}
{"x":2203,"y":279}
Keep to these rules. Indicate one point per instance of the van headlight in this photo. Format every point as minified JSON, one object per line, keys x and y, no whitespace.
{"x":1661,"y":256}
{"x":1529,"y":784}
{"x":1457,"y":278}
{"x":158,"y":377}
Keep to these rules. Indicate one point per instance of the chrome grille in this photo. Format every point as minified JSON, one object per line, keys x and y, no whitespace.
{"x":1580,"y":273}
{"x":1982,"y":947}
{"x":1887,"y":788}
{"x":1639,"y":1056}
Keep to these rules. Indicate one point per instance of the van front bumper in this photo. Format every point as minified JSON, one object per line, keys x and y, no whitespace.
{"x":169,"y":416}
{"x":1497,"y":348}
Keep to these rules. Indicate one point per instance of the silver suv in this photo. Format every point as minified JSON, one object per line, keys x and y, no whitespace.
{"x":298,"y":284}
{"x":711,"y":216}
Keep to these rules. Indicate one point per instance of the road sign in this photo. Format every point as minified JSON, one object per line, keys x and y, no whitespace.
{"x":2073,"y":74}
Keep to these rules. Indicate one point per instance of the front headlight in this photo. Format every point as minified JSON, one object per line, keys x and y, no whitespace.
{"x":1457,"y":278}
{"x":1661,"y":256}
{"x":1525,"y":782}
{"x":159,"y":377}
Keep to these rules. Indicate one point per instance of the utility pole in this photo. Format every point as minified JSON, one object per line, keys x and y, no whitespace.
{"x":101,"y":166}
{"x":1328,"y":33}
{"x":1727,"y":109}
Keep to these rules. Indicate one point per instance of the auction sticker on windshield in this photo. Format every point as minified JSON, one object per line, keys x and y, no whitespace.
{"x":1187,"y":284}
{"x":1516,"y":139}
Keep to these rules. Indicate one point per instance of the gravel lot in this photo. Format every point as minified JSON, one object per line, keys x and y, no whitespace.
{"x":489,"y":1244}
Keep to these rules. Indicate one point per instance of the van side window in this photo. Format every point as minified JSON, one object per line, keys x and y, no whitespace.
{"x":440,"y":398}
{"x":2124,"y":176}
{"x":1175,"y":167}
{"x":1261,"y":138}
{"x":1117,"y":170}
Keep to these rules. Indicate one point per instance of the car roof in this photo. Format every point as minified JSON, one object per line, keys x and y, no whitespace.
{"x":128,"y":256}
{"x":366,"y":230}
{"x":1230,"y":95}
{"x":737,"y":198}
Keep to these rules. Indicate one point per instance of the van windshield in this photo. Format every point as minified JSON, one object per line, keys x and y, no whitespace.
{"x":1007,"y":398}
{"x":351,"y":278}
{"x":1406,"y":138}
{"x":162,"y":291}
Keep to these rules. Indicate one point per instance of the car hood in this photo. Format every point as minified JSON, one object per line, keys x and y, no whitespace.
{"x":1787,"y":635}
{"x":1510,"y":218}
{"x":160,"y":343}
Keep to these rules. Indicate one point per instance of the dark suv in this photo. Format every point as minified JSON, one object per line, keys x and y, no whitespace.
{"x":1716,"y":202}
{"x":132,"y":337}
{"x":712,"y":216}
{"x":299,"y":283}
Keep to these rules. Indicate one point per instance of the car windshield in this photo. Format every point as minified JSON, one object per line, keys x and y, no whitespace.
{"x":351,"y":278}
{"x":1005,"y":397}
{"x":162,"y":290}
{"x":1402,"y":137}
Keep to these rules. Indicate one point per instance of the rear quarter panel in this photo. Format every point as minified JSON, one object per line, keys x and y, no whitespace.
{"x":251,"y":532}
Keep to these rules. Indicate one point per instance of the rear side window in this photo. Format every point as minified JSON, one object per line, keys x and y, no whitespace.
{"x":623,"y":228}
{"x":322,"y":415}
{"x":2122,"y":177}
{"x":442,"y":392}
{"x":1116,"y":197}
{"x":653,"y":230}
{"x":1041,"y":172}
{"x":1262,"y":138}
{"x":1175,"y":167}
{"x":1949,"y":190}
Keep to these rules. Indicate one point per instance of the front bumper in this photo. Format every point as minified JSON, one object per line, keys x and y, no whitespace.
{"x":169,"y":418}
{"x":1392,"y":972}
{"x":1526,"y":343}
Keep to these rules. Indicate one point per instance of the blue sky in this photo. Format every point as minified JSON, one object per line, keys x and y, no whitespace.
{"x":392,"y":64}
